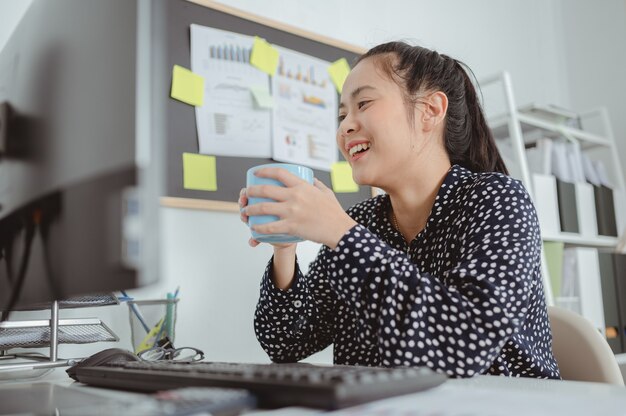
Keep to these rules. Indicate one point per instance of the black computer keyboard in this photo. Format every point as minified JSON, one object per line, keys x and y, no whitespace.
{"x":274,"y":385}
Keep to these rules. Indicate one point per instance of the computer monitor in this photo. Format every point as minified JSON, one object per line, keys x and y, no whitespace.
{"x":80,"y":151}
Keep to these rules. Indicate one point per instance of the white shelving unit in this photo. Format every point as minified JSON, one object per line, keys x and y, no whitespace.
{"x":521,"y":129}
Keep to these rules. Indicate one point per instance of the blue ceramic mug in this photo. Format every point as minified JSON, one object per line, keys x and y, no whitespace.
{"x":301,"y":172}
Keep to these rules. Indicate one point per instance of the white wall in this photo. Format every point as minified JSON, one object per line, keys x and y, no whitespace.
{"x":538,"y":41}
{"x":520,"y":36}
{"x":595,"y":54}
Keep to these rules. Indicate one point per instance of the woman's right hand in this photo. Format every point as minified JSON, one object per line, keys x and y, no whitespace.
{"x":284,"y":253}
{"x":243,"y":202}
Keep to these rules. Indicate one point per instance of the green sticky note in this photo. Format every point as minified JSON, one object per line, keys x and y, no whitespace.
{"x":341,"y":178}
{"x":264,"y":56}
{"x":554,"y":263}
{"x":199,"y":172}
{"x":339,"y":71}
{"x":187,"y":86}
{"x":262,"y":97}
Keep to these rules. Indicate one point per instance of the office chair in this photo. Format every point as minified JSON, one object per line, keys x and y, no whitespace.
{"x":580,"y":350}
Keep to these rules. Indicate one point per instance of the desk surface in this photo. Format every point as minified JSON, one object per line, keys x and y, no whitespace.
{"x":482,"y":395}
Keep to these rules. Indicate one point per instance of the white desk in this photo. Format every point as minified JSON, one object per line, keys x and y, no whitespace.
{"x":483,"y":395}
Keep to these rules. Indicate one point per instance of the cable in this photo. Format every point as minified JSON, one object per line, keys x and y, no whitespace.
{"x":17,"y":289}
{"x":43,"y":221}
{"x":7,"y":235}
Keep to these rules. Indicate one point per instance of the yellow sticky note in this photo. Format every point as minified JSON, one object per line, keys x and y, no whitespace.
{"x":341,"y":178}
{"x":339,"y":71}
{"x":264,"y":56}
{"x":187,"y":86}
{"x":262,"y":97}
{"x":199,"y":172}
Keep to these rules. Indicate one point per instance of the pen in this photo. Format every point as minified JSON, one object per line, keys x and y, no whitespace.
{"x":138,"y":314}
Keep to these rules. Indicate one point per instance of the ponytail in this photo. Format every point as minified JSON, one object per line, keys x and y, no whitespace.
{"x":483,"y":154}
{"x":467,"y":137}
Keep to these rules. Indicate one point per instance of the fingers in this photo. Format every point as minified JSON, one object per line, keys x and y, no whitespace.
{"x":277,"y":209}
{"x":274,"y":227}
{"x":277,"y":193}
{"x":243,"y":202}
{"x":281,"y":175}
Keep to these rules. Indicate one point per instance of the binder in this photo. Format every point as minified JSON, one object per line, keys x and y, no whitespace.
{"x":586,"y":209}
{"x":546,"y":204}
{"x":566,"y":194}
{"x":612,"y":319}
{"x":619,"y":269}
{"x":605,"y":211}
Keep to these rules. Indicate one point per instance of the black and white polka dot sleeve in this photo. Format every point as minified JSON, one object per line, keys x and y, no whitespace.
{"x":295,"y":323}
{"x":456,"y":322}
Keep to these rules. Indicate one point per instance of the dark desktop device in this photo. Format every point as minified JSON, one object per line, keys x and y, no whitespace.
{"x":80,"y":150}
{"x":273,"y":385}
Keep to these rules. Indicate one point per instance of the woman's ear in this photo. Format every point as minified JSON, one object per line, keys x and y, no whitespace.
{"x":434,"y":110}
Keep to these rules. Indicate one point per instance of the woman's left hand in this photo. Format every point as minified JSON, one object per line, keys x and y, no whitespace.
{"x":311,"y":212}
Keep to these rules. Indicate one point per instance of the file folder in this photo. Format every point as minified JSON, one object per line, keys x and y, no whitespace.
{"x":605,"y":211}
{"x":566,"y":194}
{"x":619,"y":263}
{"x":609,"y":299}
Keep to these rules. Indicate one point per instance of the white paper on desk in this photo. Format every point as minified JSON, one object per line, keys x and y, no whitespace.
{"x":454,"y":400}
{"x":305,"y":111}
{"x":229,"y":123}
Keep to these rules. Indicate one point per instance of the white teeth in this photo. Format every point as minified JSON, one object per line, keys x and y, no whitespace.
{"x":358,"y":147}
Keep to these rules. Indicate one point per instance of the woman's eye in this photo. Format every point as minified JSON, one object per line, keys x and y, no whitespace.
{"x":362,"y":104}
{"x":341,"y":117}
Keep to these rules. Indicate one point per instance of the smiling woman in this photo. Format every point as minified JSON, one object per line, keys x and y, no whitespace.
{"x":443,"y":270}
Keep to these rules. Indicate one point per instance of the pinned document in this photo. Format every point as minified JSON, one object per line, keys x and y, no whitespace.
{"x":264,"y":56}
{"x":187,"y":86}
{"x":262,"y":97}
{"x":339,"y":71}
{"x":341,"y":178}
{"x":199,"y":172}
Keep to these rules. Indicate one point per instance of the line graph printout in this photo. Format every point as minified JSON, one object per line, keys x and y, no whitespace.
{"x":305,"y":111}
{"x":229,"y":123}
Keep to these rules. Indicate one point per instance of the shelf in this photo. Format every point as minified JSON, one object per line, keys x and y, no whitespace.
{"x":579,"y":240}
{"x":534,"y":128}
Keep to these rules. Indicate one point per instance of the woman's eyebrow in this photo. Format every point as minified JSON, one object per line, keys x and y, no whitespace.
{"x":356,"y":92}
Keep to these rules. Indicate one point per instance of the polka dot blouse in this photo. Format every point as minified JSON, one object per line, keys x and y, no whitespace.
{"x":465,"y":297}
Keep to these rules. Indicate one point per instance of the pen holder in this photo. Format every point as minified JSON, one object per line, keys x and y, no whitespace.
{"x":152,"y":323}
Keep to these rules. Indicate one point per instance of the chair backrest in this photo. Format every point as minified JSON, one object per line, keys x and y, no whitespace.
{"x":580,"y":350}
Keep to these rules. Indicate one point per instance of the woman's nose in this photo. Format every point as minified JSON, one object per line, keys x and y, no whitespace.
{"x":348,"y":125}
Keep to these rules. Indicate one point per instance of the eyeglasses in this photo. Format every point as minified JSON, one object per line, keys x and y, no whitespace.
{"x":172,"y":354}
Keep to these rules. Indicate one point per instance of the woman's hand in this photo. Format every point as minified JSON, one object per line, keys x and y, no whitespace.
{"x":311,"y":212}
{"x":243,"y":202}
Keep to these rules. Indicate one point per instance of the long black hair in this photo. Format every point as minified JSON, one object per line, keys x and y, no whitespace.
{"x":467,"y":137}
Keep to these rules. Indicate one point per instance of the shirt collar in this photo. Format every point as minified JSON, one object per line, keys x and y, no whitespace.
{"x":380,"y":221}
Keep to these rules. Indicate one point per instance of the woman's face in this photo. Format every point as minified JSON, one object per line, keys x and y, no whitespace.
{"x":374,"y":134}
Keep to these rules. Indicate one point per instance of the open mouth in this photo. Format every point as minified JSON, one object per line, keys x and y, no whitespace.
{"x":358,"y":149}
